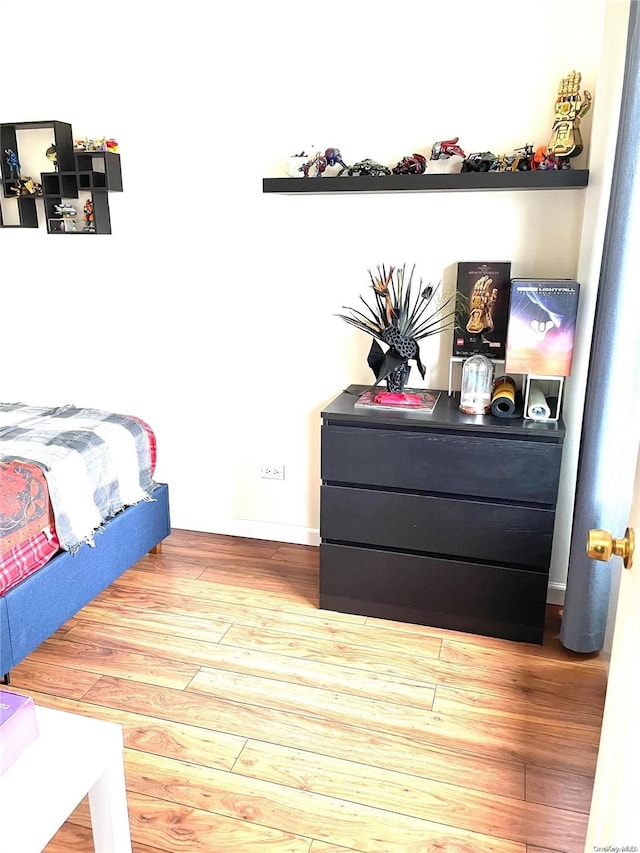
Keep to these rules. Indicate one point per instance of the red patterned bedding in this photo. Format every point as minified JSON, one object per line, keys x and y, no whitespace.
{"x":28,"y":537}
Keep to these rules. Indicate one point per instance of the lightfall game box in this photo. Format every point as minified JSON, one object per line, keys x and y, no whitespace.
{"x":542,"y":326}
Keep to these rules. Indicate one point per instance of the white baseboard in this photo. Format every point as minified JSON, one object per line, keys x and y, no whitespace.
{"x":555,"y":593}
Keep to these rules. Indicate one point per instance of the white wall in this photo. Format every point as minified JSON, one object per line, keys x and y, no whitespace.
{"x":211,"y":306}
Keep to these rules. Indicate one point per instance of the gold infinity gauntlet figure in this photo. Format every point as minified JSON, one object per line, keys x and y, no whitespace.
{"x":566,"y":139}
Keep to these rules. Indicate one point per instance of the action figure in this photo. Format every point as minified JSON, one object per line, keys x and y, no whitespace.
{"x":13,"y":163}
{"x":52,"y":155}
{"x":319,"y":162}
{"x":447,"y":148}
{"x":566,"y":139}
{"x":483,"y":298}
{"x":89,"y":224}
{"x":412,"y":164}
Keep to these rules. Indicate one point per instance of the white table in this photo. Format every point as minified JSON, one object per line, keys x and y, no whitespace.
{"x":73,"y":756}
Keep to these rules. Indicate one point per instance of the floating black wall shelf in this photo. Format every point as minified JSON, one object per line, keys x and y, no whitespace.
{"x":551,"y":179}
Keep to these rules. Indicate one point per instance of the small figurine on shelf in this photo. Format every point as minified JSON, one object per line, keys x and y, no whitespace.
{"x":544,"y":159}
{"x":26,"y":186}
{"x":13,"y":163}
{"x":566,"y":139}
{"x":89,"y":223}
{"x":366,"y":168}
{"x":447,"y":148}
{"x":412,"y":164}
{"x":112,"y":145}
{"x":480,"y":161}
{"x":334,"y":157}
{"x":52,"y":155}
{"x":65,"y":209}
{"x":317,"y":164}
{"x":447,"y":157}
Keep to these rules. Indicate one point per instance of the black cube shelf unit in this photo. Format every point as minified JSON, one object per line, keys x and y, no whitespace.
{"x":94,"y":173}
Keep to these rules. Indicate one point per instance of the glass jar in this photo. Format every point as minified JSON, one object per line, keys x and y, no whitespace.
{"x":477,"y":385}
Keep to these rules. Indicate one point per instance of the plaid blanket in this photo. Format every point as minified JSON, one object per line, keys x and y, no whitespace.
{"x":96,"y":463}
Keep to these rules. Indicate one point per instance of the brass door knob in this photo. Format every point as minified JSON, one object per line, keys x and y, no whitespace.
{"x":601,"y":545}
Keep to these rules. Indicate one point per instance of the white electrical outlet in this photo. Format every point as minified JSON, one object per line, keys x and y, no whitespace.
{"x":272,"y":472}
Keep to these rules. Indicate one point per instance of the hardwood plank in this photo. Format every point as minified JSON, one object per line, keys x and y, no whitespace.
{"x":290,"y":728}
{"x":553,"y":719}
{"x":328,"y":646}
{"x":154,"y":735}
{"x":405,"y":794}
{"x":306,"y":555}
{"x":285,"y":600}
{"x":165,"y":823}
{"x":93,"y":659}
{"x":368,"y":638}
{"x":323,"y":847}
{"x":72,"y":838}
{"x":147,"y":644}
{"x":298,"y":588}
{"x":221,"y":609}
{"x":555,"y":788}
{"x":565,"y":673}
{"x":551,"y":648}
{"x":298,"y":812}
{"x":192,"y":545}
{"x":36,"y":674}
{"x":342,"y":708}
{"x":178,"y":625}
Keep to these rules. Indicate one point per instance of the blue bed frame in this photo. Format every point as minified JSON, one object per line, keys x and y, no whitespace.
{"x":34,"y":609}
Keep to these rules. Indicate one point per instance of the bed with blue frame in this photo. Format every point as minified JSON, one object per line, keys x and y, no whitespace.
{"x":34,"y":609}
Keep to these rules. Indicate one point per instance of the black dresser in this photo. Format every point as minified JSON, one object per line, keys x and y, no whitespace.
{"x":441,"y":519}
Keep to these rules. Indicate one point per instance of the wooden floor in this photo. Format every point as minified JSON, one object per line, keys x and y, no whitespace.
{"x":254,"y":721}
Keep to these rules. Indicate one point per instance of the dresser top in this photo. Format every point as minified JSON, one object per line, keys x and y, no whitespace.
{"x":446,"y":415}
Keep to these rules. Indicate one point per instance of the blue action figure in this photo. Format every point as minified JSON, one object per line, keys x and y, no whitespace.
{"x":13,"y":163}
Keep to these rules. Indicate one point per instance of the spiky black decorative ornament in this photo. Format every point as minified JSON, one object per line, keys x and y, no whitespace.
{"x":399,"y":319}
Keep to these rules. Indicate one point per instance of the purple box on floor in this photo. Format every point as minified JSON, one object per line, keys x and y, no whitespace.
{"x":18,"y":727}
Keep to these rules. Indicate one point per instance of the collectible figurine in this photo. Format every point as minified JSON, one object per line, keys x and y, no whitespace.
{"x":414,"y":164}
{"x":365,"y":167}
{"x":52,"y":155}
{"x":65,"y":209}
{"x":315,"y":164}
{"x":333,"y":157}
{"x":566,"y":139}
{"x":479,"y":162}
{"x":89,"y":224}
{"x":12,"y":162}
{"x":26,"y":186}
{"x":447,"y":148}
{"x":318,"y":163}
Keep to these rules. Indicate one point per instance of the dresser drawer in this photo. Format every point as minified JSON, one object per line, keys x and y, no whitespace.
{"x":517,"y":470}
{"x":481,"y":599}
{"x":478,"y":530}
